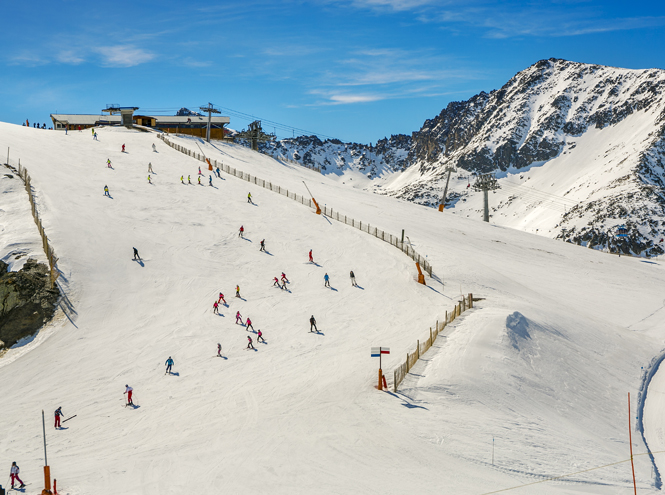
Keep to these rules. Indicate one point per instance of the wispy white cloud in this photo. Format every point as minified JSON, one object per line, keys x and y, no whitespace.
{"x":73,"y":57}
{"x":124,"y":55}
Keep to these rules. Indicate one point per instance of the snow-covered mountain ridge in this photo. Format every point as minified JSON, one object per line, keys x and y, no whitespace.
{"x":588,"y":138}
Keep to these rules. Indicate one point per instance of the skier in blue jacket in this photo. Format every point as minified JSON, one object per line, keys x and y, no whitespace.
{"x":169,"y":363}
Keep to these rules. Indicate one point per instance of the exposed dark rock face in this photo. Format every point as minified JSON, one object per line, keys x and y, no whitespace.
{"x":26,"y":301}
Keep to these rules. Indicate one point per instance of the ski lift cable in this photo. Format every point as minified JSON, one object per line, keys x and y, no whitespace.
{"x":534,"y":195}
{"x":539,"y":191}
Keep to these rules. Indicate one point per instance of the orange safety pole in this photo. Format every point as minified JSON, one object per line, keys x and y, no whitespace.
{"x":630,"y":439}
{"x":318,"y":208}
{"x":421,"y":277}
{"x":209,"y":164}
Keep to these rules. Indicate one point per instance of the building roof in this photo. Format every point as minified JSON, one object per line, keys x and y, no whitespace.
{"x":82,"y":119}
{"x":195,"y":119}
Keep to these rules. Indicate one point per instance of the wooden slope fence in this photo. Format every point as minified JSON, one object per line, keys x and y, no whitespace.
{"x":422,"y":347}
{"x":48,"y":249}
{"x":328,"y":212}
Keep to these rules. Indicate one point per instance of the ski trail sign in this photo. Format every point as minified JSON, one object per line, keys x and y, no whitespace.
{"x":377,"y":352}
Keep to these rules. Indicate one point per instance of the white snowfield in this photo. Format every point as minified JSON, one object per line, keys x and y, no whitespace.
{"x":542,"y":364}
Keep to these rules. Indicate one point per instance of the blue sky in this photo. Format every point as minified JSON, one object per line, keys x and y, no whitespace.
{"x":357,"y":70}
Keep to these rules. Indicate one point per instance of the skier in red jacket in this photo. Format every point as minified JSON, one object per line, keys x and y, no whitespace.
{"x":311,"y":260}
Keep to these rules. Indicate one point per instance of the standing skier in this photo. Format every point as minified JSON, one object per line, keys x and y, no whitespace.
{"x":259,"y":337}
{"x":123,"y":148}
{"x":221,"y":298}
{"x":263,"y":245}
{"x":199,"y":180}
{"x":108,"y":163}
{"x":312,"y":324}
{"x":249,"y":197}
{"x":182,"y":179}
{"x":210,"y":180}
{"x":311,"y":259}
{"x":199,"y":170}
{"x":58,"y":414}
{"x":249,"y":343}
{"x":248,"y":324}
{"x":154,"y":148}
{"x":136,"y":254}
{"x":150,"y":170}
{"x":189,"y":179}
{"x":94,"y":135}
{"x":237,"y":291}
{"x":218,"y":175}
{"x":353,"y":280}
{"x":241,"y":232}
{"x":326,"y":278}
{"x":276,"y":283}
{"x":128,"y":391}
{"x":284,"y":279}
{"x":215,"y":307}
{"x":106,"y":191}
{"x":149,"y":181}
{"x":169,"y":363}
{"x":219,"y":350}
{"x":238,"y":318}
{"x":13,"y":474}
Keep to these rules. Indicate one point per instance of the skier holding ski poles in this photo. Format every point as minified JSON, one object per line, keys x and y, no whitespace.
{"x":249,"y":343}
{"x":238,"y":318}
{"x":259,"y":338}
{"x":248,"y":324}
{"x":58,"y":415}
{"x":276,"y":283}
{"x":221,"y":298}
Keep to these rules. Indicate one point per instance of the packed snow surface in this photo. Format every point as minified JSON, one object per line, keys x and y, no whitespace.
{"x":535,"y":377}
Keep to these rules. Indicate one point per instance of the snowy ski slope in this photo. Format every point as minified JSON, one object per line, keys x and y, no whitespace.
{"x":543,"y":364}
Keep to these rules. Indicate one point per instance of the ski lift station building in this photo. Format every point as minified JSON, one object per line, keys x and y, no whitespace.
{"x":194,"y":125}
